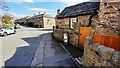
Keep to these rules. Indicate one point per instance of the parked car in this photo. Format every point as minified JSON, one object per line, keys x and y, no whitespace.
{"x":4,"y":31}
{"x":17,"y":26}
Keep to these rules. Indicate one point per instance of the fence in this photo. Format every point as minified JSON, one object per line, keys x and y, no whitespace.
{"x":107,"y":40}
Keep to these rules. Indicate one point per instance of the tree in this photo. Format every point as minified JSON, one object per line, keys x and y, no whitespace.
{"x":7,"y":20}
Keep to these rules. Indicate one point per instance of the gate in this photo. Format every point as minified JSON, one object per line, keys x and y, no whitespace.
{"x":83,"y":33}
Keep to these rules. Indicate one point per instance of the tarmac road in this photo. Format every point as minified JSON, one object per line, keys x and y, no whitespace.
{"x":33,"y":47}
{"x":20,"y":44}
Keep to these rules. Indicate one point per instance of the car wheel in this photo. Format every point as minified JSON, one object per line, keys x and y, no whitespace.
{"x":5,"y":34}
{"x":14,"y":31}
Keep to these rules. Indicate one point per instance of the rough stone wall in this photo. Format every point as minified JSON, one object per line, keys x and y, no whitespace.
{"x":57,"y":33}
{"x":62,"y":23}
{"x":100,"y":56}
{"x":109,"y":18}
{"x":83,"y":20}
{"x":75,"y":35}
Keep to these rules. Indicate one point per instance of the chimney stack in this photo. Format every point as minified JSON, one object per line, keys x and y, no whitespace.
{"x":44,"y":12}
{"x":34,"y":14}
{"x":39,"y":13}
{"x":58,"y":11}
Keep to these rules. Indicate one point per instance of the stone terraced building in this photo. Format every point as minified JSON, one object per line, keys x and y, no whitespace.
{"x":94,"y":27}
{"x":40,"y":21}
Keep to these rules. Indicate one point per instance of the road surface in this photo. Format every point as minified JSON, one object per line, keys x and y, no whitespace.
{"x":33,"y":47}
{"x":24,"y":37}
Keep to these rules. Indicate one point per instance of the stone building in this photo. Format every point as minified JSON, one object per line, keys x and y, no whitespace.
{"x":101,"y":16}
{"x":101,"y":47}
{"x":40,"y":20}
{"x":109,"y":15}
{"x":22,"y":20}
{"x":106,"y":51}
{"x":72,"y":17}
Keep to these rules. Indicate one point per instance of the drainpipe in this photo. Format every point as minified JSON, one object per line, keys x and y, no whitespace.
{"x":90,"y":18}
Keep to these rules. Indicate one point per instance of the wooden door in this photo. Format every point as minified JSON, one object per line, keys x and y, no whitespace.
{"x":84,"y":32}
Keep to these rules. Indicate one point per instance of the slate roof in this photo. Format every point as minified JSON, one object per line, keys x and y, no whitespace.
{"x":85,"y":8}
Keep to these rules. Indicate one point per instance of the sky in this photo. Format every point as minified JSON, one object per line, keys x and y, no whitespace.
{"x":22,"y":8}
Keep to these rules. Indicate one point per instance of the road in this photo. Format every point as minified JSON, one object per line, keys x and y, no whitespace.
{"x":34,"y":47}
{"x":24,"y":37}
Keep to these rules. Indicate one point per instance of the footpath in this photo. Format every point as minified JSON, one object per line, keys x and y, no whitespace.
{"x":50,"y":54}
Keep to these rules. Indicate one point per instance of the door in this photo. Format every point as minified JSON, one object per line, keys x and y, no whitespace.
{"x":84,"y":32}
{"x":9,"y":30}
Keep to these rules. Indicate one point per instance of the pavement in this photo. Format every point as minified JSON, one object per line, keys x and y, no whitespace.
{"x":51,"y":54}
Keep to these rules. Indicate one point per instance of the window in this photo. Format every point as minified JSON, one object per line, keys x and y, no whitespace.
{"x":73,"y":21}
{"x":105,"y":4}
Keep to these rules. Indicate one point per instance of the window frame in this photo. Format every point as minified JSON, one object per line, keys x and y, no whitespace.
{"x":72,"y":22}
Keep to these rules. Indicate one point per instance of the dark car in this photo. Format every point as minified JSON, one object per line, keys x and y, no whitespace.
{"x":17,"y":26}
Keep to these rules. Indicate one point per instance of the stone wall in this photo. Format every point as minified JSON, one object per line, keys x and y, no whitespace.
{"x":73,"y":37}
{"x":83,"y":20}
{"x":62,"y":23}
{"x":99,"y":55}
{"x":109,"y":15}
{"x":58,"y":33}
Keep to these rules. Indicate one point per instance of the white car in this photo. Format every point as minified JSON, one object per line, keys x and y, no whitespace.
{"x":4,"y":31}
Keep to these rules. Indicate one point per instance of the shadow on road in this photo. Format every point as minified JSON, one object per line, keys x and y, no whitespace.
{"x":54,"y":55}
{"x":40,"y":29}
{"x":24,"y":55}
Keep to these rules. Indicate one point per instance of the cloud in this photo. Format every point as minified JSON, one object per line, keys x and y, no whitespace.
{"x":72,"y":2}
{"x":30,"y":1}
{"x":39,"y":9}
{"x":20,"y":3}
{"x":16,"y":15}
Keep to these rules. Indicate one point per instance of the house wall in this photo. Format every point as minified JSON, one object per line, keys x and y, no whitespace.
{"x":22,"y":20}
{"x":109,"y":18}
{"x":100,"y":55}
{"x":49,"y":22}
{"x":64,"y":25}
{"x":83,"y":20}
{"x":41,"y":24}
